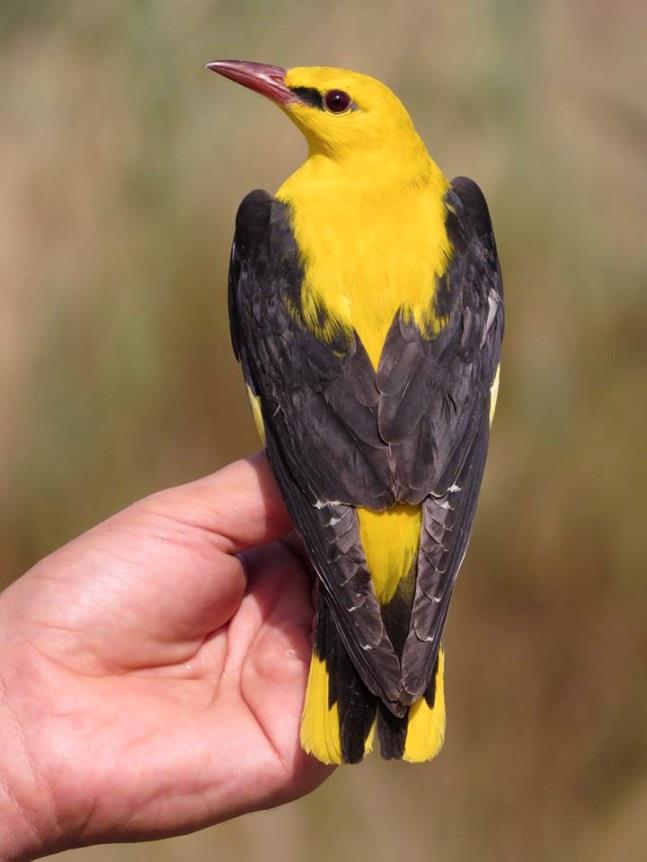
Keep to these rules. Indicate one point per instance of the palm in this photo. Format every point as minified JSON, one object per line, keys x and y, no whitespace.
{"x":168,"y":673}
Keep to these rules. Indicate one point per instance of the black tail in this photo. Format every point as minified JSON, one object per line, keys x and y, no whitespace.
{"x":392,"y":733}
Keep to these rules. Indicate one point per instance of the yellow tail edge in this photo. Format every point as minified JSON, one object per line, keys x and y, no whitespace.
{"x":426,"y":725}
{"x":320,"y":729}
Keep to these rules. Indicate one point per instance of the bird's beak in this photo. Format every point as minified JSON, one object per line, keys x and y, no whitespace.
{"x":267,"y":80}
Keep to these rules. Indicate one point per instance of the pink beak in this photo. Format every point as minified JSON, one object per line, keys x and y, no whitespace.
{"x":267,"y":80}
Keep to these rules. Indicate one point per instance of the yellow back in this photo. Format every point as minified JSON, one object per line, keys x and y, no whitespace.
{"x":368,"y":248}
{"x":367,"y":210}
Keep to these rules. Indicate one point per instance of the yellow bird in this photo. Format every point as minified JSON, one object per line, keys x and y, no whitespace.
{"x":366,"y":310}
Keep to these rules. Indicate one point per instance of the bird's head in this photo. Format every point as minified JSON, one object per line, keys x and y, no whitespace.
{"x":340,"y":112}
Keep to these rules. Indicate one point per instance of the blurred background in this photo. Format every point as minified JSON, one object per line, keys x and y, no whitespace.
{"x":121,"y":166}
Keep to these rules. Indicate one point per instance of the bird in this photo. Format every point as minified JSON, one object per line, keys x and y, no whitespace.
{"x":366,"y":312}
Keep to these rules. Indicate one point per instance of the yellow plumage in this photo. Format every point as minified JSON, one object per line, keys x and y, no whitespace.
{"x":320,"y":731}
{"x":320,"y":734}
{"x":257,"y":413}
{"x":494,"y":393}
{"x":426,"y":724}
{"x":390,"y":541}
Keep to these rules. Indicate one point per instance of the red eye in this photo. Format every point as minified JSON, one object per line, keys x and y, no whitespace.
{"x":337,"y":101}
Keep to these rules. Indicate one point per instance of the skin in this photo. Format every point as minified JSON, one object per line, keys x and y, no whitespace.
{"x":152,"y":671}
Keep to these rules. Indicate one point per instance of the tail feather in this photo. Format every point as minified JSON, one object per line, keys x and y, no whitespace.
{"x":320,"y":729}
{"x":417,"y":736}
{"x":392,"y":733}
{"x":426,"y":720}
{"x":340,"y":715}
{"x":339,"y":711}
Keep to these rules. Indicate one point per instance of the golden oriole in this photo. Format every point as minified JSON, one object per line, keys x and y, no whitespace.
{"x":366,"y":311}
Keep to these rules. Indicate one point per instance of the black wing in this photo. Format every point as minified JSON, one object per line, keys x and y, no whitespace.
{"x":319,"y":407}
{"x":340,"y":436}
{"x":434,"y":413}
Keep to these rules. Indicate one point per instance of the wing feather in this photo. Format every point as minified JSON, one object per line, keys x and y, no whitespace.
{"x":317,"y":402}
{"x":441,"y":463}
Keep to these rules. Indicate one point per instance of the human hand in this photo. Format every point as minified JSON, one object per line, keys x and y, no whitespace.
{"x":151,"y":681}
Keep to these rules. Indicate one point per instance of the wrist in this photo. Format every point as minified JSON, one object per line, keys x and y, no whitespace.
{"x":21,"y":803}
{"x":19,"y":836}
{"x":18,"y":840}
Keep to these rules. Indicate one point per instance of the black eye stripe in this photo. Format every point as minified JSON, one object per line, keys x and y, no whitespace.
{"x":309,"y":95}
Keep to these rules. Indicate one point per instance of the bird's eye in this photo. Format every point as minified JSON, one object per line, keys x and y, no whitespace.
{"x":336,"y":101}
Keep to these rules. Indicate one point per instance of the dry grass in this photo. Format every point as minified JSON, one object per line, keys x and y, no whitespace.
{"x":121,"y":165}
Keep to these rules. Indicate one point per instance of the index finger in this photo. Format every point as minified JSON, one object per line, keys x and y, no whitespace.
{"x":164,"y":570}
{"x":240,"y":505}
